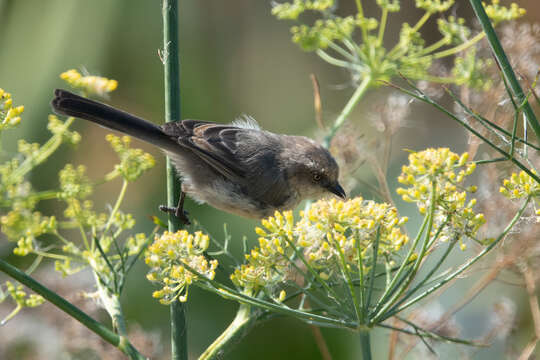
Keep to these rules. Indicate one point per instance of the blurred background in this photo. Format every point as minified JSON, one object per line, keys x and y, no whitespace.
{"x":236,"y":58}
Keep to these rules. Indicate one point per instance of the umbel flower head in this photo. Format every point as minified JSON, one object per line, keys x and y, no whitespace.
{"x":520,"y":186}
{"x":166,"y":258}
{"x":330,"y":228}
{"x":9,"y":114}
{"x":330,"y":235}
{"x":436,"y":176}
{"x":133,"y":162}
{"x":267,"y":264}
{"x":89,"y":84}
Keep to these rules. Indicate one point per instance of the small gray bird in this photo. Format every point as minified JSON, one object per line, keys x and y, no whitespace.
{"x":237,"y":168}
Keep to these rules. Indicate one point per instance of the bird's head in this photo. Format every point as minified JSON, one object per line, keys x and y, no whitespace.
{"x":311,"y":170}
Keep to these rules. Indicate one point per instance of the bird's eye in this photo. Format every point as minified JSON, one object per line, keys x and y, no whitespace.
{"x":316,"y":177}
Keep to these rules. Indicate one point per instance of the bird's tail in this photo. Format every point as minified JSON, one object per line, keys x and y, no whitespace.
{"x":67,"y":103}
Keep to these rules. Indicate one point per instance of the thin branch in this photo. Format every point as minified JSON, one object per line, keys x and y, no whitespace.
{"x":504,"y":64}
{"x":96,"y":327}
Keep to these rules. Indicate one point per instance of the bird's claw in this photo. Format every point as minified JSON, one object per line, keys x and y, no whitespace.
{"x":178,"y":212}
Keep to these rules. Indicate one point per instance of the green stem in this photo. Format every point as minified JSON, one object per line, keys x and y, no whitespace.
{"x":229,"y":293}
{"x":422,"y":21}
{"x":435,"y":46}
{"x":233,"y":332}
{"x":338,"y":49}
{"x":365,"y":344}
{"x":116,"y":206}
{"x":51,"y":255}
{"x":418,"y":94}
{"x":101,"y":330}
{"x":346,"y":273}
{"x":111,"y":303}
{"x":391,"y":286}
{"x":371,"y":286}
{"x":361,"y":17}
{"x":426,"y":278}
{"x":332,"y":60}
{"x":382,"y":26}
{"x":11,"y":315}
{"x":489,"y":124}
{"x":408,"y":279}
{"x":361,"y":279}
{"x":357,"y":95}
{"x":37,"y":196}
{"x":504,"y":64}
{"x":459,"y":48}
{"x":172,"y":113}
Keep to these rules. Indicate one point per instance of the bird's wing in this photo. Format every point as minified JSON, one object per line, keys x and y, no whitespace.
{"x":247,"y":165}
{"x":214,"y":143}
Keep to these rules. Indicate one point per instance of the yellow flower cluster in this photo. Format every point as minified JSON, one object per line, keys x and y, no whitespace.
{"x":520,"y":186}
{"x":58,"y":127}
{"x":24,"y":227}
{"x":437,"y":166}
{"x":133,"y":162}
{"x":328,"y":231}
{"x":90,"y":84}
{"x":20,"y":296}
{"x":9,"y":114}
{"x":167,"y":256}
{"x":333,"y":227}
{"x":82,"y":211}
{"x":292,"y":10}
{"x":434,"y":6}
{"x":443,"y":172}
{"x":74,"y":183}
{"x":499,"y":13}
{"x":267,"y":264}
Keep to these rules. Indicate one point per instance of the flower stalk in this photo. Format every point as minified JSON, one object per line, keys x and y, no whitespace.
{"x":365,"y":344}
{"x":234,"y":331}
{"x":171,"y":65}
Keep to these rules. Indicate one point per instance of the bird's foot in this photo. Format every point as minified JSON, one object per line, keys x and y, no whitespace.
{"x":179,"y":212}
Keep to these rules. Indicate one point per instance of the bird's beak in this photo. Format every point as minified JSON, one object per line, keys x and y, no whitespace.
{"x":337,"y":190}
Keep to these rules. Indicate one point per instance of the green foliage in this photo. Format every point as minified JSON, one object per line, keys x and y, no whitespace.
{"x":333,"y":38}
{"x":104,"y":245}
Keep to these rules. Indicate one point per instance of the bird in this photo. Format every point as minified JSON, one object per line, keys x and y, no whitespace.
{"x":237,"y":168}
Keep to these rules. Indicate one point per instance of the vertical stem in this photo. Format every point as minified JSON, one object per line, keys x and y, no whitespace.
{"x":504,"y":64}
{"x":365,"y":344}
{"x":357,"y":95}
{"x":361,"y":17}
{"x":382,"y":26}
{"x":178,"y":331}
{"x":172,"y":113}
